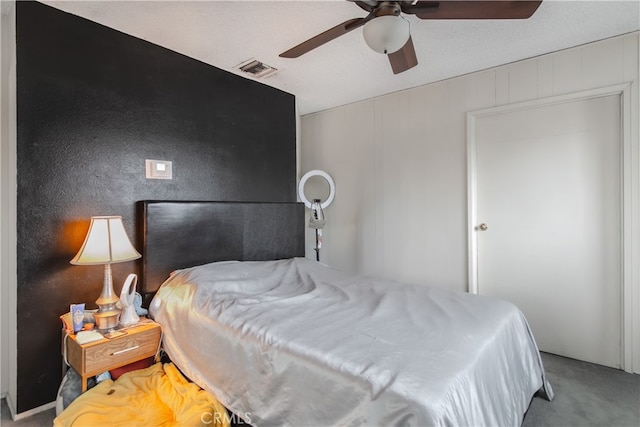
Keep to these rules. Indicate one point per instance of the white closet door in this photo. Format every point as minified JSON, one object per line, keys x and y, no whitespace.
{"x":549,"y":191}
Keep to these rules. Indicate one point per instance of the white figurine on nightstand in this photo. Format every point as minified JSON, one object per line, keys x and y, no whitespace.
{"x":127,"y":296}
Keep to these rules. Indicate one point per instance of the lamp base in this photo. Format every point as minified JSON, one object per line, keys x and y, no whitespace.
{"x":108,"y":298}
{"x":107,"y":319}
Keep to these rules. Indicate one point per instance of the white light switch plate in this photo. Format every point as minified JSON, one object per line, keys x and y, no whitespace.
{"x":158,"y":169}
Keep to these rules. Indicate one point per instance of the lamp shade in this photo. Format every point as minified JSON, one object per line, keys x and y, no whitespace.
{"x":106,"y":243}
{"x":386,"y":34}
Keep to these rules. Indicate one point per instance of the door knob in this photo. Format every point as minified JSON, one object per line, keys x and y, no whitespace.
{"x":483,"y":227}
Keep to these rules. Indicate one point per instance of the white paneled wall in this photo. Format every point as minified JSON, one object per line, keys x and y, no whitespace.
{"x":350,"y":219}
{"x":399,"y":162}
{"x":7,"y":202}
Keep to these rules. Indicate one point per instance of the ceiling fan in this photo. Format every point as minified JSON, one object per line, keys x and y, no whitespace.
{"x":386,"y":31}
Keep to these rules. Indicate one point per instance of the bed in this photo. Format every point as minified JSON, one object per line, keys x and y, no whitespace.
{"x":283,"y":340}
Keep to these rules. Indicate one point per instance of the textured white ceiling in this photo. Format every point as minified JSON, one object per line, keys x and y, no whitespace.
{"x":227,"y":33}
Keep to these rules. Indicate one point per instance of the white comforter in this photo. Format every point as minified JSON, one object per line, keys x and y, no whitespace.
{"x":293,"y":342}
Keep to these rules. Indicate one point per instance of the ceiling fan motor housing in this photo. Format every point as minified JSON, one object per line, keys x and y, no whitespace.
{"x":388,"y":8}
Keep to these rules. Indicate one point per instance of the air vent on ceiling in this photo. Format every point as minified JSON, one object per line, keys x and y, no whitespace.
{"x":256,"y":68}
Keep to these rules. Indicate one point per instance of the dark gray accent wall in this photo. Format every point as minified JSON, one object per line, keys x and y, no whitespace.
{"x":93,"y":104}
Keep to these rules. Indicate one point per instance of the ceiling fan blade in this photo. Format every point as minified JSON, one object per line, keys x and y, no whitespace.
{"x":367,"y":5}
{"x":496,"y":9}
{"x":404,"y":58}
{"x":324,"y":37}
{"x":419,"y":7}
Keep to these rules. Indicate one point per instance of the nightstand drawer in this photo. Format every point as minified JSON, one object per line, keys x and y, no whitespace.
{"x":121,"y":351}
{"x":96,"y":357}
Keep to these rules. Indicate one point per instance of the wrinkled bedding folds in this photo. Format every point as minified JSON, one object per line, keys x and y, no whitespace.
{"x":293,"y":342}
{"x":155,"y":396}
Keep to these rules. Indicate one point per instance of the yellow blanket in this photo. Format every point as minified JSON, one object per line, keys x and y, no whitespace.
{"x":155,"y":396}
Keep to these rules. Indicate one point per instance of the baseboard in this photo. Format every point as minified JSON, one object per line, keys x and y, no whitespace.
{"x":10,"y":405}
{"x":30,"y":412}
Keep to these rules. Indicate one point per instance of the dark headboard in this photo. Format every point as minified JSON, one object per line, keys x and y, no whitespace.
{"x":174,"y":235}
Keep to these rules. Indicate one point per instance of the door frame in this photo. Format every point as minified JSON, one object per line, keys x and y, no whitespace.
{"x":630,"y":209}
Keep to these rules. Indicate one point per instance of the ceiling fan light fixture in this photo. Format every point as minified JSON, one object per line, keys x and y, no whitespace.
{"x":386,"y":34}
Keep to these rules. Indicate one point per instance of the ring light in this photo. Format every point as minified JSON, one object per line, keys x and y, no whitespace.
{"x":303,"y":181}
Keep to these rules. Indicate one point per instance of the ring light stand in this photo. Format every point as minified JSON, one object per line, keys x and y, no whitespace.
{"x":317,"y":206}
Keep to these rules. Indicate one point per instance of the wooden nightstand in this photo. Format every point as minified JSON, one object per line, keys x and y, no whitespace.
{"x":140,"y":341}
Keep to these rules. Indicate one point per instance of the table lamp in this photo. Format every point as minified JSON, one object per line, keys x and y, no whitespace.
{"x":106,"y":243}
